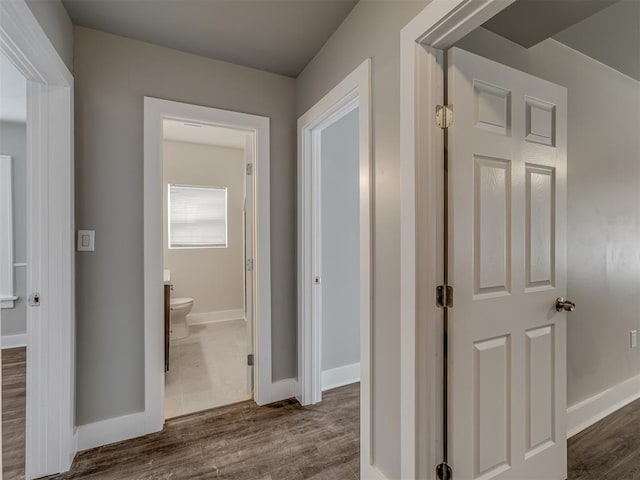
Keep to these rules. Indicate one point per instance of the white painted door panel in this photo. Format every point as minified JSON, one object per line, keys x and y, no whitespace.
{"x":507,"y":202}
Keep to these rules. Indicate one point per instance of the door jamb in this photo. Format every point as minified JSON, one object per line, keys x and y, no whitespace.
{"x":354,"y":90}
{"x":422,"y":41}
{"x":155,"y":110}
{"x":51,"y":438}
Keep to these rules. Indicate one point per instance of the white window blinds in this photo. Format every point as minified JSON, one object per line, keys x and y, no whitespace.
{"x":197,"y":216}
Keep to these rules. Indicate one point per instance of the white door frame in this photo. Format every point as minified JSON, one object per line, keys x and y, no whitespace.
{"x":155,"y":110}
{"x":422,"y":41}
{"x":353,"y":91}
{"x":51,"y":440}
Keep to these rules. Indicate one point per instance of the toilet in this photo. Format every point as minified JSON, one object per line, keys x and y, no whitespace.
{"x":180,"y":308}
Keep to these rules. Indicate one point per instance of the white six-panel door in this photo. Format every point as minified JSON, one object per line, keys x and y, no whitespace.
{"x":507,"y":204}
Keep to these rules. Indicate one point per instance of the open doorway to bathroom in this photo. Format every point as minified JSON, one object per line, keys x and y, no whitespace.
{"x":207,"y":259}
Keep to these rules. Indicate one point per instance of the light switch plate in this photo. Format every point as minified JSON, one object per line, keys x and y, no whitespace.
{"x":633,"y":338}
{"x":86,"y":240}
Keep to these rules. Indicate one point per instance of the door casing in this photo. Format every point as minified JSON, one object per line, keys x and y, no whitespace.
{"x":51,"y":440}
{"x":155,"y":110}
{"x":354,"y":91}
{"x":422,"y":42}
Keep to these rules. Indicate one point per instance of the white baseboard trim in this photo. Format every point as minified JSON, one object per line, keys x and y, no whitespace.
{"x":213,"y":317}
{"x":338,"y":377}
{"x":13,"y":341}
{"x":111,"y":430}
{"x":584,"y":414}
{"x":280,"y":390}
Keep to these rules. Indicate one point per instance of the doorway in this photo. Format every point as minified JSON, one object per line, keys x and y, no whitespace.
{"x":526,"y":163}
{"x":13,"y":280}
{"x":245,"y":158}
{"x":334,"y":248}
{"x":49,"y":437}
{"x":208,"y":254}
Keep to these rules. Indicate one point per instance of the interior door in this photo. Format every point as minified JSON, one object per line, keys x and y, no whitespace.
{"x":507,"y":203}
{"x":249,"y":253}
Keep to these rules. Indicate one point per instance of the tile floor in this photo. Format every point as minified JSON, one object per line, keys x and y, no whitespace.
{"x":207,"y":369}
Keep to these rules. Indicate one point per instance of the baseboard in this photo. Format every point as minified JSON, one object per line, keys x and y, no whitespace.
{"x":13,"y":341}
{"x":111,"y":430}
{"x":213,"y":317}
{"x":279,"y":390}
{"x":338,"y":377}
{"x":584,"y":414}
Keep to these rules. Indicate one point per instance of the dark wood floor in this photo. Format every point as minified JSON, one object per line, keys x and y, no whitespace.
{"x":283,"y":441}
{"x":608,"y":450}
{"x":14,"y":374}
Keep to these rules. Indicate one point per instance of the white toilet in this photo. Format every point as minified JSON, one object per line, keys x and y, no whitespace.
{"x":180,"y":308}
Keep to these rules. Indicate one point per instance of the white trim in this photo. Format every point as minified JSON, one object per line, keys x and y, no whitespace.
{"x":584,"y":414}
{"x":340,"y":376}
{"x":7,"y":297}
{"x":215,"y":317}
{"x":279,"y":390}
{"x":356,"y":87}
{"x":439,"y":25}
{"x":50,"y":413}
{"x":155,"y":110}
{"x":14,"y":341}
{"x":111,"y":430}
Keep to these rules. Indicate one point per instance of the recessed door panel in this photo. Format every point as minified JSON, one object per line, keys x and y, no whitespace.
{"x":540,"y":388}
{"x":492,"y":414}
{"x":492,"y":222}
{"x":540,"y":218}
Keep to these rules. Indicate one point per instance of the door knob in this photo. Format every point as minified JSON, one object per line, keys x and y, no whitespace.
{"x":564,"y":305}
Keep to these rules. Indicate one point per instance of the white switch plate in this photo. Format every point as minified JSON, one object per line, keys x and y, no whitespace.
{"x":86,"y":240}
{"x":633,"y":338}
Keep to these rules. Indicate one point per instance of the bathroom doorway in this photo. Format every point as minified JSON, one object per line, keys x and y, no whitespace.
{"x":207,"y":259}
{"x":216,"y":201}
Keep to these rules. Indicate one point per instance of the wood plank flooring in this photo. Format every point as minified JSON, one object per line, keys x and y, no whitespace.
{"x":14,"y":377}
{"x":608,"y":450}
{"x":283,"y":441}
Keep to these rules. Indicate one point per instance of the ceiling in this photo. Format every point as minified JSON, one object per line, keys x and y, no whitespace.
{"x":13,"y":93}
{"x":279,"y":36}
{"x":188,"y":132}
{"x":528,"y":22}
{"x":611,"y":36}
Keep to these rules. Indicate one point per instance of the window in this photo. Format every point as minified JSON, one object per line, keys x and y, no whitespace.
{"x":197,"y":217}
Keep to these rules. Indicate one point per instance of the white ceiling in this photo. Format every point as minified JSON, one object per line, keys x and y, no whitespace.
{"x":188,"y":132}
{"x":279,"y":36}
{"x":13,"y":93}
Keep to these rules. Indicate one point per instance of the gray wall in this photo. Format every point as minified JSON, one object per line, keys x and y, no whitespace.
{"x":112,"y":75}
{"x":55,"y":22}
{"x":213,"y":277}
{"x":13,"y":141}
{"x":340,"y":217}
{"x":372,"y":29}
{"x":603,"y":206}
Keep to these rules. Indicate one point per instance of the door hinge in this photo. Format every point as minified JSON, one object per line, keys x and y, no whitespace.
{"x":444,"y":471}
{"x":249,"y":168}
{"x":250,"y":265}
{"x":444,"y":116}
{"x":444,"y":296}
{"x":250,"y":360}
